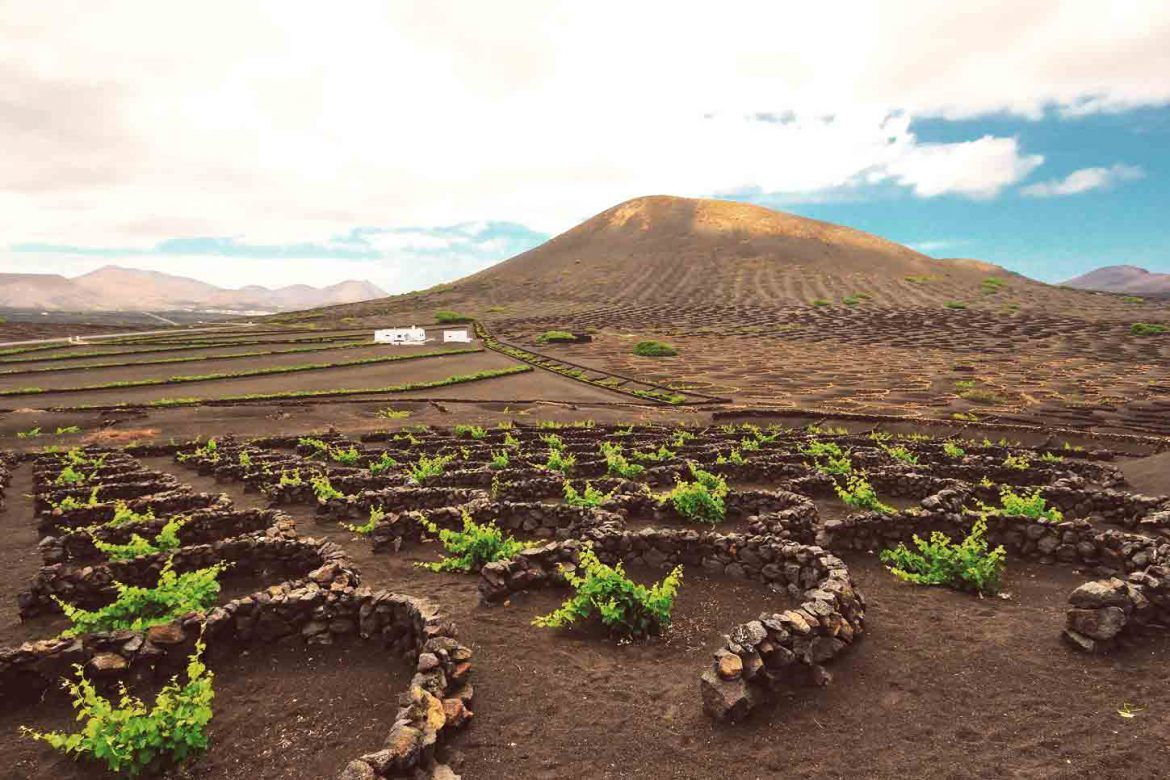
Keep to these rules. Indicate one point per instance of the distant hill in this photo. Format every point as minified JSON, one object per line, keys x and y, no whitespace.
{"x":113,"y":288}
{"x":1123,"y":279}
{"x":726,"y":258}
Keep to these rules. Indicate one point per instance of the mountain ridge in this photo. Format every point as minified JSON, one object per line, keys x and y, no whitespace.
{"x":118,"y":288}
{"x":1122,"y":279}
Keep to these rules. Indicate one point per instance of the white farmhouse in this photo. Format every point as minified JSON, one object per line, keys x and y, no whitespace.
{"x":461,"y":336}
{"x":411,"y":335}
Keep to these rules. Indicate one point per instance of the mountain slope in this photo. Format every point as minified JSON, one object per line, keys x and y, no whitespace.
{"x":113,"y":288}
{"x":1122,"y":278}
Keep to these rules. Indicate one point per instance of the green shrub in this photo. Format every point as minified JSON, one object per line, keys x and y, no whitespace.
{"x":137,"y":608}
{"x":323,"y":489}
{"x":244,"y":459}
{"x":383,"y":464}
{"x":625,"y":607}
{"x":129,"y":738}
{"x":859,"y":494}
{"x":70,"y":476}
{"x":616,"y":463}
{"x":123,"y":514}
{"x":167,"y":539}
{"x":1031,"y":504}
{"x":500,"y":460}
{"x":700,"y":501}
{"x":590,"y":497}
{"x":1147,"y":329}
{"x":393,"y":414}
{"x":653,"y":456}
{"x":427,"y":468}
{"x":67,"y":429}
{"x":29,"y":434}
{"x":1132,"y":299}
{"x":821,"y":302}
{"x":654,"y":349}
{"x":992,"y":285}
{"x":969,"y":565}
{"x":560,"y":461}
{"x":554,"y":336}
{"x":1017,"y":462}
{"x":734,"y":457}
{"x":955,"y":305}
{"x":446,"y":317}
{"x":347,"y":457}
{"x":901,"y":453}
{"x":470,"y":431}
{"x":477,"y":544}
{"x":952,"y":450}
{"x":377,"y":515}
{"x":980,"y":396}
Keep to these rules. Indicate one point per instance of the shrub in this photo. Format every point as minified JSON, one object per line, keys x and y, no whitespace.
{"x":323,"y":489}
{"x":70,"y":476}
{"x":127,"y":736}
{"x":859,"y":494}
{"x":952,"y":450}
{"x":616,"y":463}
{"x":1017,"y":462}
{"x":625,"y":607}
{"x":654,"y":349}
{"x":377,"y":515}
{"x":426,"y":468}
{"x":558,"y":460}
{"x":590,"y":497}
{"x":552,"y":441}
{"x":554,"y":336}
{"x":992,"y":285}
{"x":735,"y":457}
{"x":653,"y":456}
{"x":500,"y":460}
{"x":979,"y":396}
{"x":969,"y":565}
{"x":819,"y":449}
{"x":477,"y":544}
{"x":700,"y":501}
{"x":383,"y":464}
{"x":446,"y":317}
{"x":167,"y":539}
{"x":346,"y":457}
{"x":955,"y":305}
{"x":821,"y":302}
{"x":470,"y":431}
{"x":137,"y":608}
{"x":68,"y":429}
{"x":244,"y":459}
{"x":1147,"y":329}
{"x":1024,"y":505}
{"x":1050,"y":457}
{"x":29,"y":434}
{"x":290,"y":478}
{"x":123,"y":514}
{"x":393,"y":414}
{"x":901,"y":453}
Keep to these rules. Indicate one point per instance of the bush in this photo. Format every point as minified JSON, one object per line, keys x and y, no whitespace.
{"x":1146,"y":329}
{"x":127,"y":736}
{"x":700,"y":501}
{"x":968,"y":565}
{"x":323,"y":489}
{"x":555,"y":336}
{"x":901,"y":453}
{"x":500,"y":460}
{"x":955,"y":305}
{"x":377,"y":515}
{"x":952,"y":450}
{"x":445,"y":317}
{"x":137,"y":608}
{"x":1024,"y":505}
{"x":654,"y":349}
{"x":859,"y":494}
{"x":559,"y":461}
{"x":470,"y":431}
{"x":1017,"y":462}
{"x":590,"y":497}
{"x":426,"y":468}
{"x":821,"y":302}
{"x":616,"y":463}
{"x":383,"y":464}
{"x":626,"y":608}
{"x":472,"y":547}
{"x":167,"y":539}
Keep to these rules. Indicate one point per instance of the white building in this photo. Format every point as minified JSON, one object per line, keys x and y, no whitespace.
{"x":461,"y":336}
{"x":411,"y":335}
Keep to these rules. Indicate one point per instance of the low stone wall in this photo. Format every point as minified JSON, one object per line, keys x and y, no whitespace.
{"x":202,"y":526}
{"x":758,"y":657}
{"x":1104,"y":612}
{"x":91,"y":587}
{"x":171,"y":502}
{"x":147,"y":484}
{"x":393,"y":500}
{"x":322,"y":608}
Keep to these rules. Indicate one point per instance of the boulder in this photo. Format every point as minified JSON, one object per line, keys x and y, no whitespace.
{"x":725,"y":700}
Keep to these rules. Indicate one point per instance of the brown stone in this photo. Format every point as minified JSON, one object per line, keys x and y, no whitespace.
{"x":725,"y":700}
{"x":729,"y":665}
{"x":106,"y":663}
{"x":166,"y":634}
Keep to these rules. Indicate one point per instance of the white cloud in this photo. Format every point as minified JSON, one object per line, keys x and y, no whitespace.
{"x":279,"y":121}
{"x":1083,"y":180}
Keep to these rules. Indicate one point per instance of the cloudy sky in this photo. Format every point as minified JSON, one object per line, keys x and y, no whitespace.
{"x":413,"y":142}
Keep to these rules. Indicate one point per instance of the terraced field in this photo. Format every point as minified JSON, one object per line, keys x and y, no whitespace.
{"x":788,"y":645}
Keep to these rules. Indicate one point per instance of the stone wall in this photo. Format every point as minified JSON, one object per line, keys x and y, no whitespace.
{"x":1105,"y":611}
{"x":758,"y":657}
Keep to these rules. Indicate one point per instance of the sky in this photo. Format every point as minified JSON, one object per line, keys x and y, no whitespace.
{"x":411,"y":143}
